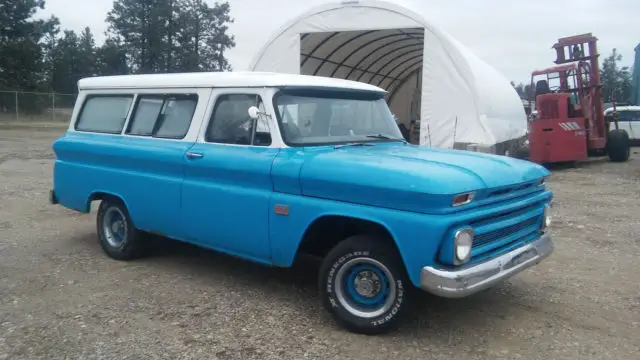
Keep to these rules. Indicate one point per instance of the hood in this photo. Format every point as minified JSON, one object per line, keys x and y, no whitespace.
{"x":407,"y":177}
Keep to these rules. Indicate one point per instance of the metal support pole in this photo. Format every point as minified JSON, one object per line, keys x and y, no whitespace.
{"x":17,"y":111}
{"x":53,"y":107}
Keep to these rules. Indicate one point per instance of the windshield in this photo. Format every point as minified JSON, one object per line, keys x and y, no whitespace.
{"x":316,"y":117}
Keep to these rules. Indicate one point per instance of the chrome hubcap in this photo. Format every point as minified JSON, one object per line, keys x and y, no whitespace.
{"x":117,"y":226}
{"x":367,"y":284}
{"x":114,"y":227}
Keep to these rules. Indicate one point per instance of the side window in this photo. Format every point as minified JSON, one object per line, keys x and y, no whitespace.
{"x":104,"y":113}
{"x":145,"y":116}
{"x":178,"y":113}
{"x":633,"y":116}
{"x":163,"y":116}
{"x":230,"y":122}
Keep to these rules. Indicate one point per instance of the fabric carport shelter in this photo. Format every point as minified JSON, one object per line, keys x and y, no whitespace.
{"x":460,"y":100}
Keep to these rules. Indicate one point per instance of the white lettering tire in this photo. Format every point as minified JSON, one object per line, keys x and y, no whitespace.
{"x":363,"y":284}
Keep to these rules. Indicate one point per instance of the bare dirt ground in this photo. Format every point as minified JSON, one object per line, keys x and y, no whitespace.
{"x":61,"y":298}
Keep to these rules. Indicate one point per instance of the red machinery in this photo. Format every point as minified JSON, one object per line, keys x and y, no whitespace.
{"x":570,"y":124}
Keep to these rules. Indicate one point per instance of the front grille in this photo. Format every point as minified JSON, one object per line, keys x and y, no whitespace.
{"x":499,"y":232}
{"x":511,"y":189}
{"x":505,"y":232}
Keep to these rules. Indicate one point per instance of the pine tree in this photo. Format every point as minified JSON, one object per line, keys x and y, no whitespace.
{"x":23,"y":41}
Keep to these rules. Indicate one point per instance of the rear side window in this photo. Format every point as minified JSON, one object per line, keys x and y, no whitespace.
{"x":104,"y":113}
{"x":145,"y":116}
{"x":163,"y":116}
{"x":630,"y":115}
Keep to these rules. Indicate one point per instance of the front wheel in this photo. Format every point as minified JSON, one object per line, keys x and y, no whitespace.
{"x":363,"y":284}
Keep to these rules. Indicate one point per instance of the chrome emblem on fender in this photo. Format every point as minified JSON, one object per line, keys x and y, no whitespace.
{"x":281,"y":210}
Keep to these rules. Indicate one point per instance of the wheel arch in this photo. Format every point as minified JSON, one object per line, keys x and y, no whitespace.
{"x":327,"y":230}
{"x":99,"y":195}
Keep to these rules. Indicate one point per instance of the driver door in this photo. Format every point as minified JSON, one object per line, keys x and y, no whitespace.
{"x":225,"y":196}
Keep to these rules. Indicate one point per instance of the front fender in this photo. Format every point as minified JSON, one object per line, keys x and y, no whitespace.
{"x":417,"y":236}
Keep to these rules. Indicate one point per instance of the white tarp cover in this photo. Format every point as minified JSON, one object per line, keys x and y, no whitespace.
{"x":463,"y":100}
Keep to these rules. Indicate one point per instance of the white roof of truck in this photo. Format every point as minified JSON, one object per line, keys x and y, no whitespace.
{"x":622,"y":108}
{"x":218,"y":79}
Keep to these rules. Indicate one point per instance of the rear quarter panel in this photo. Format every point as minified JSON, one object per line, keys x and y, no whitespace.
{"x":146,"y":173}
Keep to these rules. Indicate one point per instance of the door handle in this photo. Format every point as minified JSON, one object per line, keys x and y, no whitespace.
{"x":192,"y":155}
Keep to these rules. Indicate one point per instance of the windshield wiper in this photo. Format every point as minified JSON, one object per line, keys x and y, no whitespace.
{"x":386,"y":137}
{"x":352,"y":144}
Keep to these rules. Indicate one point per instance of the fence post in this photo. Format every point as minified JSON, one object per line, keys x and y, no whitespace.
{"x":17,"y":111}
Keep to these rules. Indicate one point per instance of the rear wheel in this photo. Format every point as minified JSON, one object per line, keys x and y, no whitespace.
{"x":363,"y":284}
{"x":618,"y":146}
{"x":116,"y":233}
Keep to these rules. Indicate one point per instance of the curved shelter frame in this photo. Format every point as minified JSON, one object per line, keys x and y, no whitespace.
{"x":429,"y":76}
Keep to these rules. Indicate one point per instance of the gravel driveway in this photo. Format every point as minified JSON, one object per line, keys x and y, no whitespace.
{"x":61,"y":298}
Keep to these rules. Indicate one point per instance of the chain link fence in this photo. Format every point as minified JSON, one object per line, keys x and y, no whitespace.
{"x":23,"y":106}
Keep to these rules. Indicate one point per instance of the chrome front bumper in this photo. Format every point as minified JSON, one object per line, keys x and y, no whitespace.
{"x":465,"y":281}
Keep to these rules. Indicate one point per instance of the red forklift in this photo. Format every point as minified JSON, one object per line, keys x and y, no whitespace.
{"x":570,"y":124}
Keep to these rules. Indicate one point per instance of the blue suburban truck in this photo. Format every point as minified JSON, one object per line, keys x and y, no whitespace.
{"x":267,"y":166}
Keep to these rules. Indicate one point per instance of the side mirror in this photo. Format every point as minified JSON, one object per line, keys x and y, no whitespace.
{"x":254,"y":112}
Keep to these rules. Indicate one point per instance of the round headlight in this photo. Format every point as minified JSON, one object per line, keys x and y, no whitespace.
{"x":462,"y":245}
{"x":546,"y":217}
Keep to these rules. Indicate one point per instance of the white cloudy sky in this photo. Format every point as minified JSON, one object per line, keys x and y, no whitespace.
{"x":514,"y":36}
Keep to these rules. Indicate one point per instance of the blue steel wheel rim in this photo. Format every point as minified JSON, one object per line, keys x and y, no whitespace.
{"x":365,"y":287}
{"x":379,"y":287}
{"x":114,"y":227}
